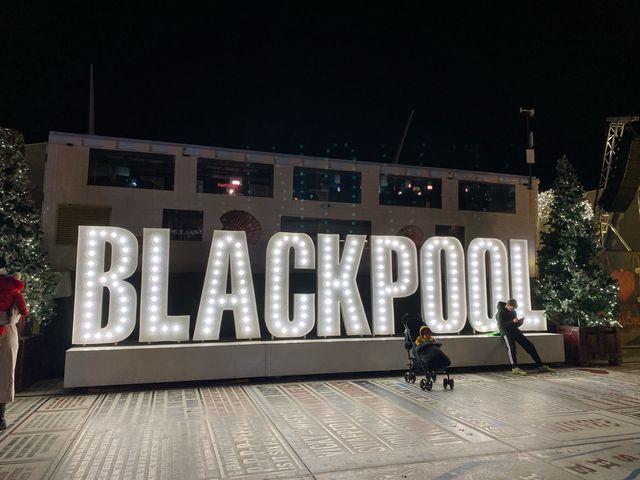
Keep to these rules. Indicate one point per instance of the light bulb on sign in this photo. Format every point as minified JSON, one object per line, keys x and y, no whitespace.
{"x":155,"y":290}
{"x":432,"y":292}
{"x":225,"y":247}
{"x":334,"y":293}
{"x":92,"y":280}
{"x":277,"y":286}
{"x":534,"y":319}
{"x":481,"y":315}
{"x":406,"y":282}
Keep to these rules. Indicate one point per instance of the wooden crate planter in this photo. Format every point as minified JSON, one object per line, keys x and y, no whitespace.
{"x":584,"y":345}
{"x":30,"y":361}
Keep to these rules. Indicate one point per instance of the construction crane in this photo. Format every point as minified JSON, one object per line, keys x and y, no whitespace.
{"x":614,"y":134}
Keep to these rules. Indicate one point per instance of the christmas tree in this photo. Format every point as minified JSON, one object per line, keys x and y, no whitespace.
{"x":573,"y":286}
{"x":20,"y":247}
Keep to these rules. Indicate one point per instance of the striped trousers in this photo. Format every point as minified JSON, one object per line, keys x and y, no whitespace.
{"x":512,"y":336}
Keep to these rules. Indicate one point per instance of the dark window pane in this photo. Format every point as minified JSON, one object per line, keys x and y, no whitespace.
{"x":486,"y":197}
{"x":115,"y":168}
{"x":71,"y":216}
{"x":313,"y":226}
{"x":451,"y":231}
{"x":410,"y":191}
{"x":225,"y":177}
{"x":184,"y":224}
{"x":326,"y":185}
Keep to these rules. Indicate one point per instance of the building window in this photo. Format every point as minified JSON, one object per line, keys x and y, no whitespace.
{"x":314,"y":226}
{"x":115,"y":168}
{"x":486,"y":197}
{"x":184,"y":224}
{"x":410,"y":191}
{"x":326,"y":185}
{"x":69,"y":217}
{"x":451,"y":231}
{"x":226,"y":177}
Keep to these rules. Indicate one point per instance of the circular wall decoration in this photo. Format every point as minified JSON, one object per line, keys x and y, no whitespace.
{"x":414,"y":233}
{"x":238,"y":220}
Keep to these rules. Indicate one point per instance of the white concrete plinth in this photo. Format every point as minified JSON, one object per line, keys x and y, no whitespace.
{"x":305,"y":357}
{"x":479,"y":350}
{"x":124,"y":365}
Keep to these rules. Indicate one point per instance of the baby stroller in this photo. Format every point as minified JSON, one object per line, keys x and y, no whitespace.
{"x":427,"y":359}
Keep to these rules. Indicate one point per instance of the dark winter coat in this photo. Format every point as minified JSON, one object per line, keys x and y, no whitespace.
{"x":429,"y":350}
{"x":505,"y":318}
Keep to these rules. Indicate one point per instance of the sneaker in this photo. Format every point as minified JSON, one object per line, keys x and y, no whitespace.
{"x":545,"y":369}
{"x":518,"y":371}
{"x":3,"y":425}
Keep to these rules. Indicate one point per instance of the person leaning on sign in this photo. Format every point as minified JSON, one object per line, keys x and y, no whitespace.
{"x":12,"y":308}
{"x":509,"y":325}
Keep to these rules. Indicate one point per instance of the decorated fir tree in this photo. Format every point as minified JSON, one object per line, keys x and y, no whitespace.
{"x":572,"y":285}
{"x":20,"y":247}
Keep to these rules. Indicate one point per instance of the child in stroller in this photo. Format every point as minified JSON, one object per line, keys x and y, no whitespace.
{"x":425,"y":354}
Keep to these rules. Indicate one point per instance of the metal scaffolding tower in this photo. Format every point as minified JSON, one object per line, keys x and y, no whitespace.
{"x":614,"y":133}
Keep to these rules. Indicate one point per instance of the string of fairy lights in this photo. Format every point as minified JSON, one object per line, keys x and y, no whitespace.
{"x":338,"y":299}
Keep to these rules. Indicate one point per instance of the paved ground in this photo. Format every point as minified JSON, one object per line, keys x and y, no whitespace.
{"x":578,"y":423}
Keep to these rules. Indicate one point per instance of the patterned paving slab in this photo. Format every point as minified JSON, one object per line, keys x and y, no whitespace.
{"x":40,"y":429}
{"x":633,"y":412}
{"x":521,"y":416}
{"x":51,"y":421}
{"x":20,"y":409}
{"x":24,"y":471}
{"x":247,"y":444}
{"x":520,"y":466}
{"x":187,"y":433}
{"x":607,"y":461}
{"x":135,"y":435}
{"x":43,"y":427}
{"x":578,"y":428}
{"x":509,"y":399}
{"x":597,"y":391}
{"x":439,"y":404}
{"x":68,"y":402}
{"x":574,"y":424}
{"x":358,"y":425}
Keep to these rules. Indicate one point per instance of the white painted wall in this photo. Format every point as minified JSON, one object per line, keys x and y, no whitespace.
{"x":66,"y":174}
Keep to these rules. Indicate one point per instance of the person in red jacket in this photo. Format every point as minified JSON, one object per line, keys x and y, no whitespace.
{"x":10,"y":288}
{"x":12,"y":309}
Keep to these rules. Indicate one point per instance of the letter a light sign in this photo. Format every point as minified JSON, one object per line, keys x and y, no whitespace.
{"x":453,"y":288}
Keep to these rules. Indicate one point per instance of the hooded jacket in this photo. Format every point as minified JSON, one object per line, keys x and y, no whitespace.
{"x":428,"y":339}
{"x":10,"y":289}
{"x":505,"y":318}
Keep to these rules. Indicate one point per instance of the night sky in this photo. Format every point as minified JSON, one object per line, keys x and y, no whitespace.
{"x":331,"y":79}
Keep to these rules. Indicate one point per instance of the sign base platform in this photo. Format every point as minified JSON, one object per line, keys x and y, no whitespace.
{"x":140,"y":364}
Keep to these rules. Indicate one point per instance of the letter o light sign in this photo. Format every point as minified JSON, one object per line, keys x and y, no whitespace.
{"x":454,"y":287}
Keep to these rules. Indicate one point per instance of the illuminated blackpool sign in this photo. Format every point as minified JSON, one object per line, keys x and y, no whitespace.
{"x":441,"y":266}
